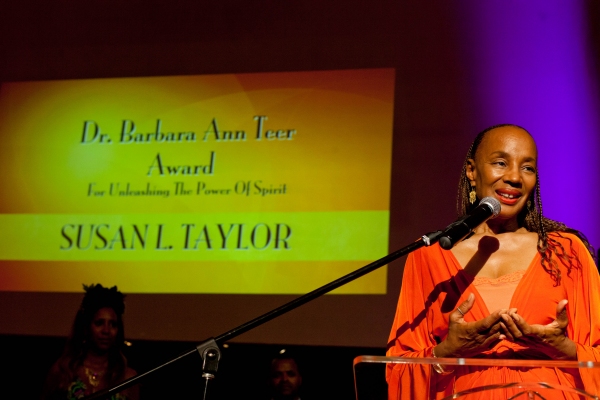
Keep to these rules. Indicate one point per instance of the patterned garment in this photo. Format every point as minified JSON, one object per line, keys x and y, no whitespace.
{"x":77,"y":391}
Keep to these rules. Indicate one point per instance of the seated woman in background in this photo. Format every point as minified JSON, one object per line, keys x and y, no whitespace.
{"x":521,"y":287}
{"x":93,"y":359}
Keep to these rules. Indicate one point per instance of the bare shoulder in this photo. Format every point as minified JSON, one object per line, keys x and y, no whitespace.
{"x":54,"y":369}
{"x":55,"y":372}
{"x":52,"y":381}
{"x":132,"y":393}
{"x":130,"y":373}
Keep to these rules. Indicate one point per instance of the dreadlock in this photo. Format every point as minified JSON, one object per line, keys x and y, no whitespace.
{"x":96,"y":297}
{"x":531,"y":218}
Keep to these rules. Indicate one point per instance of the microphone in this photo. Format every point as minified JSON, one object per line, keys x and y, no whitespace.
{"x":488,"y":208}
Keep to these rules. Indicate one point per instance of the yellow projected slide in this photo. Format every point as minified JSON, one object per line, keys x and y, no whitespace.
{"x":272,"y":183}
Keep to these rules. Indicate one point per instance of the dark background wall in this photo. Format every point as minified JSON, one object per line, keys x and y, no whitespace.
{"x":67,"y":40}
{"x":243,"y":370}
{"x":437,"y":113}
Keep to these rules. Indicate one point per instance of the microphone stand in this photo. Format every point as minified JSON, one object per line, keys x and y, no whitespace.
{"x":209,"y":349}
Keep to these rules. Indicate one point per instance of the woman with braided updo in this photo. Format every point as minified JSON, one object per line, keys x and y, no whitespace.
{"x":522,"y":286}
{"x":93,"y":359}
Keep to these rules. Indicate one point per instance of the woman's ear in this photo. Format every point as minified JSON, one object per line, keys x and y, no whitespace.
{"x":470,"y":171}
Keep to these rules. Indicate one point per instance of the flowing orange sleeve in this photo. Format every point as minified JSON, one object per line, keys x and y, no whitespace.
{"x":412,"y":330}
{"x":584,"y":315}
{"x":408,"y":338}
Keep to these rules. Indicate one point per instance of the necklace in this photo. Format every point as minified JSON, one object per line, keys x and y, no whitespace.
{"x":93,"y":377}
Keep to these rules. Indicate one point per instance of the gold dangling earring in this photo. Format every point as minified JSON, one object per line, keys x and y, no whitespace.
{"x":472,"y":195}
{"x":529,"y":204}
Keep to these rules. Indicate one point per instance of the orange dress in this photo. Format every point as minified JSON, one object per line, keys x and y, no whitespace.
{"x":434,"y":284}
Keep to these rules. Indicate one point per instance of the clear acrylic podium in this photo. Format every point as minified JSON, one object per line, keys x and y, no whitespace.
{"x":370,"y":383}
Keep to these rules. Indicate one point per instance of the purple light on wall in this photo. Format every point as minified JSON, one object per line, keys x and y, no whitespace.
{"x":529,"y":64}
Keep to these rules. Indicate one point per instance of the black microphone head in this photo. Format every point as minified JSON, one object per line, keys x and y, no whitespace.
{"x":494,"y":205}
{"x":487,"y":208}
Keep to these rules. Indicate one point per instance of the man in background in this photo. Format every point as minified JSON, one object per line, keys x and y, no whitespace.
{"x":285,"y":379}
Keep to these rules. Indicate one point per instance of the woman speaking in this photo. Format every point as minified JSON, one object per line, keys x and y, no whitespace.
{"x":522,"y":286}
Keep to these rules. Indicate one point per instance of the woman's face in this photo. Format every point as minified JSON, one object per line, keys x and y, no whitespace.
{"x":505,"y":168}
{"x":104,"y":329}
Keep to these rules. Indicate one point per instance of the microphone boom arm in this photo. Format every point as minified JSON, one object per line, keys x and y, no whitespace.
{"x":209,"y":349}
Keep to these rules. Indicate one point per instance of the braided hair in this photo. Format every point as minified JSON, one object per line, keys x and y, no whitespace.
{"x":531,"y":218}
